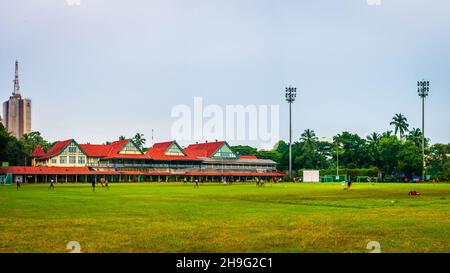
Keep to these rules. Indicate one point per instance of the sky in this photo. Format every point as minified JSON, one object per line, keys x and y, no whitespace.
{"x":106,"y":68}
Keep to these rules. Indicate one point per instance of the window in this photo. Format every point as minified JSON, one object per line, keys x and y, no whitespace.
{"x":54,"y":161}
{"x":63,"y":159}
{"x":224,"y":152}
{"x":81,"y":160}
{"x":72,"y":150}
{"x":72,"y":160}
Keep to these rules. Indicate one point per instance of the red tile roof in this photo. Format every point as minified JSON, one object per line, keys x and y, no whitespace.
{"x":159,"y":148}
{"x":248,"y":157}
{"x":57,"y":148}
{"x":96,"y":150}
{"x":158,"y":152}
{"x":206,"y":149}
{"x":38,"y":151}
{"x":116,"y":146}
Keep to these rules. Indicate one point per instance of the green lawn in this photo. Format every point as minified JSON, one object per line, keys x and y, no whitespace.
{"x":225,"y":218}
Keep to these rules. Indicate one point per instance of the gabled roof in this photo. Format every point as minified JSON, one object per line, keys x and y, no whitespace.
{"x":117,"y":146}
{"x":58,"y":147}
{"x":206,"y":149}
{"x":38,"y":151}
{"x":109,"y":150}
{"x":158,"y":152}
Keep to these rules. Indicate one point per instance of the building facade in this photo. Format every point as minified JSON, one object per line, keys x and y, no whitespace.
{"x":123,"y":161}
{"x":17,"y":110}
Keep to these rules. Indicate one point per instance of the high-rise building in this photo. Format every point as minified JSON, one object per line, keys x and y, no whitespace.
{"x":17,"y":111}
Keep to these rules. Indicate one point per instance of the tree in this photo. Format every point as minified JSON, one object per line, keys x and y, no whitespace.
{"x":309,"y":139}
{"x":439,"y":161}
{"x":388,"y":149}
{"x":122,"y":138}
{"x":282,"y":148}
{"x":415,"y":136}
{"x":373,"y":142}
{"x":354,"y":151}
{"x":400,"y":124}
{"x":388,"y":133}
{"x":139,"y":140}
{"x":409,"y":159}
{"x":373,"y":139}
{"x":244,"y":150}
{"x":31,"y":140}
{"x":11,"y":150}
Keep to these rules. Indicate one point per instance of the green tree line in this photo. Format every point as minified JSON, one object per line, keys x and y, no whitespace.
{"x":397,"y":152}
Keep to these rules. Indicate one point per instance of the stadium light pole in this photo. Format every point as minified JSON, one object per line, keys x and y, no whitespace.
{"x":423,"y":87}
{"x":291,"y":93}
{"x":337,"y":159}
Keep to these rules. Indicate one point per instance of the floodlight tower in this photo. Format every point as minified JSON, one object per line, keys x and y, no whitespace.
{"x":423,"y":88}
{"x":291,"y":93}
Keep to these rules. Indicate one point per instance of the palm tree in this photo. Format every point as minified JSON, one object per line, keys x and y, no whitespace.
{"x":309,"y":138}
{"x":139,"y":140}
{"x":374,"y":138}
{"x":374,"y":141}
{"x":400,"y":123}
{"x":121,"y":138}
{"x":387,"y":134}
{"x":415,"y":136}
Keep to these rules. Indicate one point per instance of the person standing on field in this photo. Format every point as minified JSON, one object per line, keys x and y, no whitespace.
{"x":196,"y":183}
{"x":106,"y":184}
{"x":51,"y":185}
{"x":93,"y":184}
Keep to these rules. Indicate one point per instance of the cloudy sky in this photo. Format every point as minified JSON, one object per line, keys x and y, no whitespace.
{"x":106,"y":68}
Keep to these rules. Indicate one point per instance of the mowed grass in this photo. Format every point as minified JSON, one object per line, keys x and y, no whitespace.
{"x":168,"y":217}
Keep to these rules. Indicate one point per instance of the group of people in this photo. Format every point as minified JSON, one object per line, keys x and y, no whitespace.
{"x":103,"y":182}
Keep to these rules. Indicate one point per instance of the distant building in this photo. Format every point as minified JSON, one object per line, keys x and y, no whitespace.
{"x":123,"y":161}
{"x":326,"y":139}
{"x":17,"y":111}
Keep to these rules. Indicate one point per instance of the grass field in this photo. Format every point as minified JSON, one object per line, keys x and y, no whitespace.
{"x":225,"y":218}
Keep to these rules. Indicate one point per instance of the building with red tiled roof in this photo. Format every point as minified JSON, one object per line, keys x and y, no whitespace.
{"x":163,"y":161}
{"x":206,"y":149}
{"x":38,"y":151}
